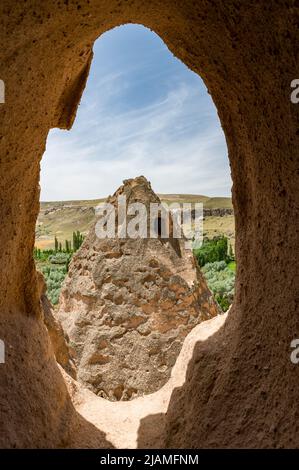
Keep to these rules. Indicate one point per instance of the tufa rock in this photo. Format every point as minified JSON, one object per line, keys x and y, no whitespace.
{"x":127,"y":305}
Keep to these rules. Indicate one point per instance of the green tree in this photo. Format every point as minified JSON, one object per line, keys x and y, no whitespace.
{"x":56,"y":243}
{"x":74,"y":241}
{"x":68,"y":246}
{"x":77,"y":240}
{"x":212,"y":251}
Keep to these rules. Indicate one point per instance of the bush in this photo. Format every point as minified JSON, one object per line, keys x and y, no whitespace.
{"x":54,"y":277}
{"x":54,"y":296}
{"x":212,"y":251}
{"x":223,"y":302}
{"x":54,"y":266}
{"x":221,"y":281}
{"x":59,"y":258}
{"x":212,"y":267}
{"x":42,"y":255}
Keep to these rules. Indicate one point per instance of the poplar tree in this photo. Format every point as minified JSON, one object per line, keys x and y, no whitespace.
{"x":56,"y":244}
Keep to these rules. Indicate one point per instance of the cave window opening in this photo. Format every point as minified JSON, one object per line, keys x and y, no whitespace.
{"x":143,"y":112}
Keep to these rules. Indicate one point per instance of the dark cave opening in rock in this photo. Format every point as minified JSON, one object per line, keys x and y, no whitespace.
{"x":158,"y":227}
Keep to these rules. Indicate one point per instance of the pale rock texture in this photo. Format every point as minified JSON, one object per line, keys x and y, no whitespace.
{"x":127,"y":305}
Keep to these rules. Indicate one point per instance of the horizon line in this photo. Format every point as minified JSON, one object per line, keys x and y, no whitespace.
{"x":158,"y":194}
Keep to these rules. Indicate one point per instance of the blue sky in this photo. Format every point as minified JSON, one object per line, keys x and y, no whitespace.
{"x":142,"y":112}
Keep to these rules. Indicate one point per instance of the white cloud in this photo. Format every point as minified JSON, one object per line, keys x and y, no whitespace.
{"x":175,"y":141}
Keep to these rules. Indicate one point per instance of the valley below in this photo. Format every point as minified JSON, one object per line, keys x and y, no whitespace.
{"x":62,"y":218}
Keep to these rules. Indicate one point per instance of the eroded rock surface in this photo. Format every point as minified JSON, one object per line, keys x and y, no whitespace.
{"x":128,"y":304}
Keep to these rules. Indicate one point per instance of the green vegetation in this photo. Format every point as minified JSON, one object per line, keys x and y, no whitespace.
{"x":216,"y":259}
{"x":54,"y":263}
{"x":213,"y":250}
{"x":232,"y":266}
{"x":54,"y":278}
{"x":221,"y":281}
{"x":77,"y":240}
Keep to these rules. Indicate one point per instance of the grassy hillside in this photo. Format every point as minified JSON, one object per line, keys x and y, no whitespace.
{"x":61,"y":218}
{"x":218,"y":203}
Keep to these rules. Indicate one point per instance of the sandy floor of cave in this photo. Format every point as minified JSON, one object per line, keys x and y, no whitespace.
{"x":120,"y":421}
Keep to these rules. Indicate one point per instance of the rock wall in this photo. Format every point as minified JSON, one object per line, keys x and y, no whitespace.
{"x":127,"y":304}
{"x":217,"y":212}
{"x":241,"y":388}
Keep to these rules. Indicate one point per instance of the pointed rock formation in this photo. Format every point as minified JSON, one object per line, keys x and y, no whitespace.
{"x":127,"y":305}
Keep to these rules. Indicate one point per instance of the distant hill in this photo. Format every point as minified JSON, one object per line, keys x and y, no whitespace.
{"x":209,"y":202}
{"x":61,"y":218}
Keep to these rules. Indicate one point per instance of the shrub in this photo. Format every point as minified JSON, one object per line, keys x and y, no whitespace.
{"x":54,"y":277}
{"x":223,"y":302}
{"x":59,"y":258}
{"x":212,"y":251}
{"x":221,"y":281}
